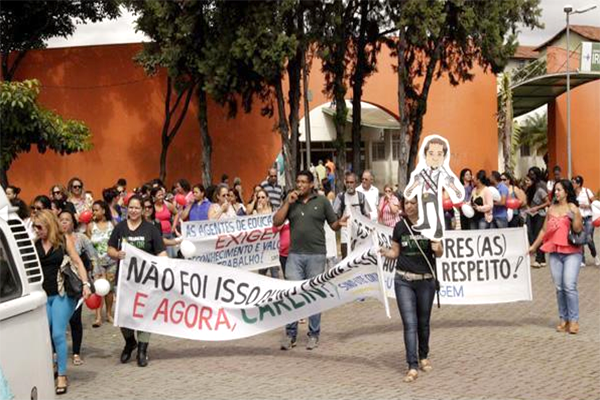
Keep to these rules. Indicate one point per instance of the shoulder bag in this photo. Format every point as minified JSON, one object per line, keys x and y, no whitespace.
{"x":68,"y":278}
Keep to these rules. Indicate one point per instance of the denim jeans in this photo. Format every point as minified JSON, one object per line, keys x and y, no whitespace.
{"x":480,"y":224}
{"x":565,"y":271}
{"x":301,"y":267}
{"x":59,"y":310}
{"x":589,"y":230}
{"x":415,"y":299}
{"x":500,"y":223}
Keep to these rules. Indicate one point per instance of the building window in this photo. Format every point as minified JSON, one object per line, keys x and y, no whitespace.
{"x":396,"y":147}
{"x":378,"y":151}
{"x":525,"y":150}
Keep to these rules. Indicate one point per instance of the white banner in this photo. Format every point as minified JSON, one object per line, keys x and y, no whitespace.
{"x":194,"y":300}
{"x":249,"y":242}
{"x":477,"y":267}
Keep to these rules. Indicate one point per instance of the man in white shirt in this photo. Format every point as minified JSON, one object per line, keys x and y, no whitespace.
{"x":344,"y":202}
{"x":371,"y":192}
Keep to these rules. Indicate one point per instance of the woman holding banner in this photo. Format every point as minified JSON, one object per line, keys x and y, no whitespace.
{"x":415,"y":285}
{"x":563,"y":217}
{"x":145,"y":236}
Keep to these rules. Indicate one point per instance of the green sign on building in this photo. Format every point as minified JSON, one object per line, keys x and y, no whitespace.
{"x":590,"y":57}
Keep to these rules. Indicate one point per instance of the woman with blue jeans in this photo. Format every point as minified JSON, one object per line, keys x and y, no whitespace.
{"x":565,"y":258}
{"x":51,"y":247}
{"x":415,"y":287}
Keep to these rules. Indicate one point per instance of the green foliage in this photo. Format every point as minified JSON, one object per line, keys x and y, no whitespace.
{"x":25,"y":123}
{"x":534,"y":132}
{"x":26,"y":25}
{"x":446,"y":39}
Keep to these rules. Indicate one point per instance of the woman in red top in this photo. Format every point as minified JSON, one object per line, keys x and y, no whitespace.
{"x":565,"y":258}
{"x":164,"y":211}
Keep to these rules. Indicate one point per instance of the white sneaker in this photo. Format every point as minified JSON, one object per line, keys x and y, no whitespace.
{"x":597,"y":261}
{"x":582,"y":264}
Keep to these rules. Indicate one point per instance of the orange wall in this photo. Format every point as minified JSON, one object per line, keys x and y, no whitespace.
{"x":103,"y":87}
{"x":585,"y":133}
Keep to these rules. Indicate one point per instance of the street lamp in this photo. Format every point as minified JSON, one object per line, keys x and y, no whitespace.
{"x":568,"y":9}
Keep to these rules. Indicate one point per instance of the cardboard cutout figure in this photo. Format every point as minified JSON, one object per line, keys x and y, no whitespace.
{"x":431,"y":175}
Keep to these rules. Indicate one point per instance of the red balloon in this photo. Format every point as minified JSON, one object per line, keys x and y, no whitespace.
{"x":127,"y":197}
{"x":85,"y":217}
{"x":447,"y":204}
{"x":513,"y":203}
{"x":94,"y":301}
{"x":596,"y":222}
{"x":180,"y":199}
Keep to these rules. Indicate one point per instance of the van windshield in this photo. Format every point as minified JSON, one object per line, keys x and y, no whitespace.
{"x":10,"y":284}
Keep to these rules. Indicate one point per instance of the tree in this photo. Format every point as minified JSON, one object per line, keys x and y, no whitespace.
{"x":179,"y":31}
{"x":445,"y":38}
{"x":338,"y":21}
{"x":258,"y":43}
{"x":365,"y":46}
{"x":505,"y":122}
{"x":26,"y":25}
{"x":26,"y":123}
{"x":534,"y":133}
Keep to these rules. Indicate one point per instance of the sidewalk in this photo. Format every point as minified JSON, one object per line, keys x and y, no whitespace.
{"x":506,"y":351}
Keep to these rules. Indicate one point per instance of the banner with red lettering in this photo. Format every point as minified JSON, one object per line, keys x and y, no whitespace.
{"x":249,"y":242}
{"x":194,"y":300}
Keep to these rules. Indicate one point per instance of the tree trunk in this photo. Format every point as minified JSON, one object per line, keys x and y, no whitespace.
{"x":341,"y":111}
{"x":285,"y":137}
{"x":357,"y":84}
{"x":8,"y":73}
{"x":403,"y":171}
{"x":3,"y":178}
{"x":205,"y":140}
{"x":165,"y":132}
{"x":507,"y":139}
{"x":421,"y":107}
{"x":294,"y":69}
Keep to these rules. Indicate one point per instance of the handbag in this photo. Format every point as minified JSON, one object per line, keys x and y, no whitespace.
{"x":577,"y":238}
{"x":69,"y":277}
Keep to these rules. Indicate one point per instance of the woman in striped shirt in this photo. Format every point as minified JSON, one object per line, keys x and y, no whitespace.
{"x":389,"y":208}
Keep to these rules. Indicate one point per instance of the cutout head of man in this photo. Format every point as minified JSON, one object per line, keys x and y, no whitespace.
{"x":429,"y":181}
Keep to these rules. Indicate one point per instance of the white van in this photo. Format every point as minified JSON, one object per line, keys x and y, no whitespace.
{"x":25,"y":344}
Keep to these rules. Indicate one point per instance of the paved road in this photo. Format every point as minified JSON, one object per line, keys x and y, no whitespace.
{"x":507,"y":351}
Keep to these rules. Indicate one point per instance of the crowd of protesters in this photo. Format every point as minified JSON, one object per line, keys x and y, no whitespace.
{"x":70,"y":220}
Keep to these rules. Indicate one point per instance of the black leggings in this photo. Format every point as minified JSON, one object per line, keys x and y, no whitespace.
{"x":76,"y":330}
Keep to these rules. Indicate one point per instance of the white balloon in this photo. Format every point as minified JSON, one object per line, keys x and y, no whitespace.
{"x":102,"y":287}
{"x":468,"y":210}
{"x":188,"y":249}
{"x":495,"y":193}
{"x":595,"y":210}
{"x":510,"y":214}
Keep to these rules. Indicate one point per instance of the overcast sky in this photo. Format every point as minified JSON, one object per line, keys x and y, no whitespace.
{"x":122,"y":30}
